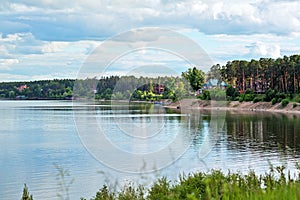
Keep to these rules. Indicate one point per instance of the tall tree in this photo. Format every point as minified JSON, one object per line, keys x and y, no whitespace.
{"x":195,"y":77}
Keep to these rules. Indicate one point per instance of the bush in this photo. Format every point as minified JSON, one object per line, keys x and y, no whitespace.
{"x":274,"y":101}
{"x":280,"y":95}
{"x":232,"y":92}
{"x":249,"y":97}
{"x":206,"y":95}
{"x":249,"y":91}
{"x":296,"y":98}
{"x":257,"y":99}
{"x":241,"y":99}
{"x":284,"y":102}
{"x":218,"y":94}
{"x":270,"y":94}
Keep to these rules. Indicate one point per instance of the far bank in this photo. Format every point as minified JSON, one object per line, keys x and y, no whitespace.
{"x":291,"y":107}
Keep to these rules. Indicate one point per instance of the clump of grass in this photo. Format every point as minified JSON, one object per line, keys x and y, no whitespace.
{"x":64,"y":182}
{"x":26,"y":195}
{"x":275,"y":184}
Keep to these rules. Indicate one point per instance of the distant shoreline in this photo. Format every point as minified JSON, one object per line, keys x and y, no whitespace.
{"x":190,"y":104}
{"x":293,"y":108}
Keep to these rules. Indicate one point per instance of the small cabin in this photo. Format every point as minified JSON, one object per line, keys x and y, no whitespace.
{"x":213,"y":84}
{"x":22,"y":87}
{"x":159,"y":88}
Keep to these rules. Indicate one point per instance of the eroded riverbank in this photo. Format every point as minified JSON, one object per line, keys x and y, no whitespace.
{"x":235,"y":106}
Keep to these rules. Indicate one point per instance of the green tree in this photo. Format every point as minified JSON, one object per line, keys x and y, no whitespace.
{"x":195,"y":77}
{"x":231,"y":92}
{"x":12,"y":94}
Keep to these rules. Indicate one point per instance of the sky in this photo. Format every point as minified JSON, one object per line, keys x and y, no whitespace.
{"x":47,"y":39}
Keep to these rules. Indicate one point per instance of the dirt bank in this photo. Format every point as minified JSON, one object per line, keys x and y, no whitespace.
{"x":235,"y":105}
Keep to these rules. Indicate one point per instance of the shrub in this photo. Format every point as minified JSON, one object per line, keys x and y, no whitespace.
{"x":270,"y":94}
{"x":217,"y":94}
{"x":241,"y":99}
{"x":206,"y":95}
{"x":296,"y":98}
{"x":280,"y":95}
{"x":232,"y":92}
{"x":284,"y":102}
{"x":249,"y":91}
{"x":257,"y":99}
{"x":274,"y":101}
{"x":104,"y":193}
{"x":160,"y":189}
{"x":249,"y":97}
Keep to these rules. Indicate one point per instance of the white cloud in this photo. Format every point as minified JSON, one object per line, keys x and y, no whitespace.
{"x":6,"y":63}
{"x":53,"y":47}
{"x":24,"y":56}
{"x":265,"y":50}
{"x":54,"y":37}
{"x":77,"y":20}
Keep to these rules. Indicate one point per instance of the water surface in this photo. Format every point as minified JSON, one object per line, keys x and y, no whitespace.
{"x":37,"y":135}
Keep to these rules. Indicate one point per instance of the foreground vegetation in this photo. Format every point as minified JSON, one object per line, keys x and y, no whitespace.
{"x":275,"y":184}
{"x":214,"y":185}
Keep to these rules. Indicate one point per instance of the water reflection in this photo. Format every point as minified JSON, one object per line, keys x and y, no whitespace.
{"x":264,"y":131}
{"x":36,"y":134}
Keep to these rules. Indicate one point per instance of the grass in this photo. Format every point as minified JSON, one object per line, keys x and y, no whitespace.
{"x":275,"y":184}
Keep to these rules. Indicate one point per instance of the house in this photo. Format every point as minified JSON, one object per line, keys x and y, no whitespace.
{"x":214,"y":83}
{"x":159,"y":88}
{"x":21,"y":88}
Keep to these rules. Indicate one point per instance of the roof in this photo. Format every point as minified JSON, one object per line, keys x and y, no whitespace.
{"x":214,"y":82}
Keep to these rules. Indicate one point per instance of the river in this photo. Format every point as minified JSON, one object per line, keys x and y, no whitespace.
{"x":116,"y":144}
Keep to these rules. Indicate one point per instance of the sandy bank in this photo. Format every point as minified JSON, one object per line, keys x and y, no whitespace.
{"x":235,"y":105}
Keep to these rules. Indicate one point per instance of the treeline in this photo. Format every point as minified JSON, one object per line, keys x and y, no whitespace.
{"x":142,"y":88}
{"x":266,"y":79}
{"x":281,"y":74}
{"x":44,"y":89}
{"x":278,"y":78}
{"x":113,"y":87}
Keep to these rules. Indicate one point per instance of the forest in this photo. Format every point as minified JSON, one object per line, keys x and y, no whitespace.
{"x":281,"y":74}
{"x":266,"y":79}
{"x":113,"y":87}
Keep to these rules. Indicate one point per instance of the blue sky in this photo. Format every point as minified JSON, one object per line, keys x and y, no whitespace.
{"x":46,"y":39}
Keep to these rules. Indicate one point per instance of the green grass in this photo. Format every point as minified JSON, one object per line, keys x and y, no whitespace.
{"x":278,"y":183}
{"x":274,"y":184}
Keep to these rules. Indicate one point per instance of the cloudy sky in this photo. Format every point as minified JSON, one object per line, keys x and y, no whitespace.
{"x":46,"y":39}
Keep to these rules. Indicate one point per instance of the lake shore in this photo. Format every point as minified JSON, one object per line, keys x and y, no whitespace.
{"x":293,"y":108}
